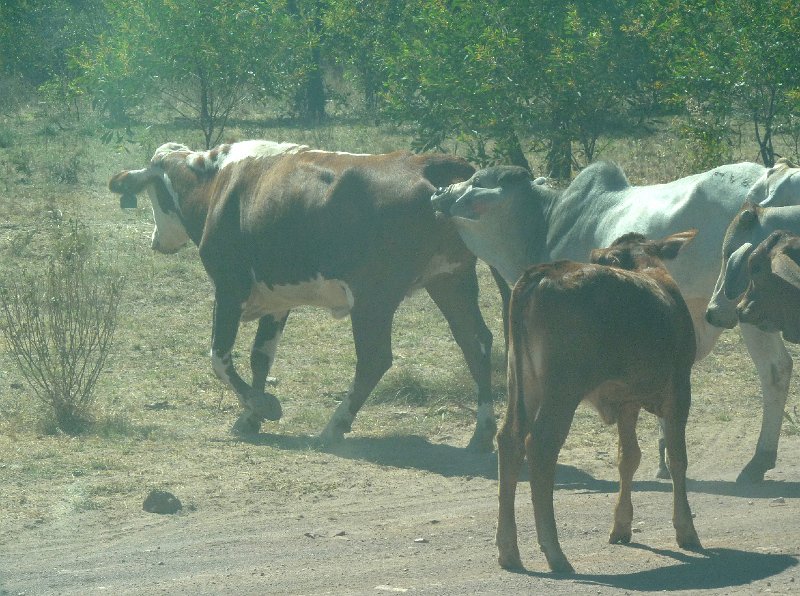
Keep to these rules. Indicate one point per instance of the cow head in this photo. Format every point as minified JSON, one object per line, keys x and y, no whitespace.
{"x":169,"y":161}
{"x":771,"y":299}
{"x":491,"y":212}
{"x":738,"y":243}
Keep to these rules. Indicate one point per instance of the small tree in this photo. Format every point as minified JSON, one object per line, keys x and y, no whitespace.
{"x":59,"y":326}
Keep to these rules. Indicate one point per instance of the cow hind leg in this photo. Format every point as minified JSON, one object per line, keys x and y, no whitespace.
{"x":258,"y":405}
{"x":774,"y":365}
{"x":265,"y":344}
{"x":456,"y":295}
{"x":629,"y":456}
{"x":372,"y":334}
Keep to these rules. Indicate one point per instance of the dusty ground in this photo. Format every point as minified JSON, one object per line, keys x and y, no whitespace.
{"x":409,"y":515}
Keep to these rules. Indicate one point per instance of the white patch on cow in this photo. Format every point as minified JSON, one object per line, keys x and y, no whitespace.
{"x":333,"y":294}
{"x":339,"y":153}
{"x":256,"y":149}
{"x":341,"y":419}
{"x":166,"y":149}
{"x":220,"y":364}
{"x":438,"y":265}
{"x":169,"y":235}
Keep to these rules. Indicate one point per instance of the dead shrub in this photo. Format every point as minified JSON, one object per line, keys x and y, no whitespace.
{"x":59,"y":325}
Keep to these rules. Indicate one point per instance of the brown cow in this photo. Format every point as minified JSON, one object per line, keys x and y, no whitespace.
{"x":771,"y":301}
{"x":619,"y":337}
{"x":280,"y":225}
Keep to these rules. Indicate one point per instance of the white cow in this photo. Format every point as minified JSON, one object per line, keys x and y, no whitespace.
{"x":512,"y":223}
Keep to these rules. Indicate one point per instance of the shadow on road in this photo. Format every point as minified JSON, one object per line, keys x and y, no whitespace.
{"x":412,"y":451}
{"x":714,"y":568}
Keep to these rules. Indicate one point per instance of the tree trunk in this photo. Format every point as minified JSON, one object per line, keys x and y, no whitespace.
{"x":559,"y":157}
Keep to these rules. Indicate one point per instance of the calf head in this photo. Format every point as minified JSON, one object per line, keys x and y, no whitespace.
{"x":771,"y":300}
{"x":162,"y":180}
{"x":635,"y":252}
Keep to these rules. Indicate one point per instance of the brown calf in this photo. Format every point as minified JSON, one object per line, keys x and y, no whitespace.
{"x":619,"y":337}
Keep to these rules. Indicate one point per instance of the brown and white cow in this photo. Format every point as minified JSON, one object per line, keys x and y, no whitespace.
{"x":281,"y":225}
{"x":618,"y":337}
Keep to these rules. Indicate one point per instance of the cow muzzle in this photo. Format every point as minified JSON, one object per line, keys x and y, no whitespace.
{"x":442,"y":200}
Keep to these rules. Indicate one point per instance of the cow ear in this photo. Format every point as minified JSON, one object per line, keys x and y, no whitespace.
{"x":736,"y":277}
{"x":669,"y":247}
{"x":785,"y":268}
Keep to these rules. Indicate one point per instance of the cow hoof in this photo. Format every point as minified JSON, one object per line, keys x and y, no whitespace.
{"x":264,"y":406}
{"x":246,"y":425}
{"x":482,"y":440}
{"x":329,"y":437}
{"x":754,"y":471}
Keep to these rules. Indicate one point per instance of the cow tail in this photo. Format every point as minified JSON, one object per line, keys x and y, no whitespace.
{"x":517,"y":331}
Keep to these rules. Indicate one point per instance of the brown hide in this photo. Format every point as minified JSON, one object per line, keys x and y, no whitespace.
{"x":619,"y":339}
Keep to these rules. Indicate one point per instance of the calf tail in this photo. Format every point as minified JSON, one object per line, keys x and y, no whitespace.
{"x":517,"y":331}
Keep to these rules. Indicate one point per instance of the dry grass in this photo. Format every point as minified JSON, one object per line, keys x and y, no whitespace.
{"x":163,"y":418}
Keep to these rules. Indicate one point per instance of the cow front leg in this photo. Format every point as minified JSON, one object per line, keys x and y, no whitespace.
{"x":258,"y":405}
{"x":663,"y":468}
{"x":265,"y":344}
{"x":629,"y":455}
{"x":456,"y":295}
{"x":372,"y":334}
{"x":774,"y":366}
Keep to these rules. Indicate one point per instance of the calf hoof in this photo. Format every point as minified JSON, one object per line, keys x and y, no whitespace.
{"x":620,"y":536}
{"x":754,"y":471}
{"x":689,"y":540}
{"x":559,"y":564}
{"x":510,"y":561}
{"x":264,"y":406}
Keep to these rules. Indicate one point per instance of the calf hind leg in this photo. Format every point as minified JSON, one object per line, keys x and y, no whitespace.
{"x":542,"y":448}
{"x":629,"y":456}
{"x":510,"y":454}
{"x":675,"y":436}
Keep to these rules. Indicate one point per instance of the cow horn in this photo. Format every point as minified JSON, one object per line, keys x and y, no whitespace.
{"x":736,"y":273}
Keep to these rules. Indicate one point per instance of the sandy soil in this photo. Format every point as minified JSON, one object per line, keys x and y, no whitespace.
{"x":413,"y":516}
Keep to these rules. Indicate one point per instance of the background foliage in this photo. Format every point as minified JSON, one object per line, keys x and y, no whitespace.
{"x":501,"y":78}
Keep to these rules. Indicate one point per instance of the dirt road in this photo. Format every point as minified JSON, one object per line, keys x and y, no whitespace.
{"x":408,"y":515}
